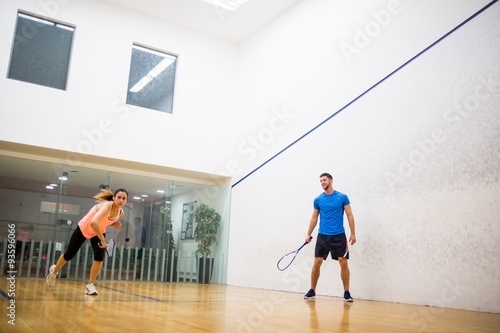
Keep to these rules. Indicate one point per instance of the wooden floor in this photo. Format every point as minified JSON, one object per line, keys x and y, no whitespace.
{"x":177,"y":307}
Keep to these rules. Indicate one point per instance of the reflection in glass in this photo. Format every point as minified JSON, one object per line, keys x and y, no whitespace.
{"x":47,"y":200}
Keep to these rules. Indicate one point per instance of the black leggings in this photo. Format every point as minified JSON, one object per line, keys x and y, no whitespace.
{"x":75,"y":243}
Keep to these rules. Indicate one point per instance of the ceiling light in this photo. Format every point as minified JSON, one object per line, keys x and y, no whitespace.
{"x":231,"y":5}
{"x":64,"y":176}
{"x":49,"y":187}
{"x":160,"y":191}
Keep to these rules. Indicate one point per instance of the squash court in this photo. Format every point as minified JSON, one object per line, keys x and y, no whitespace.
{"x":189,"y":307}
{"x":242,"y":112}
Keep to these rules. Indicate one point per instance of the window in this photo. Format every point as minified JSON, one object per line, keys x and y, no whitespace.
{"x":41,"y":51}
{"x":151,"y":79}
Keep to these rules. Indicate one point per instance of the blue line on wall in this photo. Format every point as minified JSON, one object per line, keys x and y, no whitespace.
{"x":369,"y":89}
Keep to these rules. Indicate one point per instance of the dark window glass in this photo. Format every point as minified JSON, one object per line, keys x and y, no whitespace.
{"x":41,"y":52}
{"x":151,"y":79}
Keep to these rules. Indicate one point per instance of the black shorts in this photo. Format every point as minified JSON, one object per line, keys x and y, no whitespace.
{"x":336,"y":245}
{"x":76,"y":241}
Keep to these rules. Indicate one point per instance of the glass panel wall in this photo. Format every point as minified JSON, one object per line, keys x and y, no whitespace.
{"x":41,"y":204}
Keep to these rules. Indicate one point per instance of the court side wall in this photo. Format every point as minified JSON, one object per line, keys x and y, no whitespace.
{"x":419,"y":158}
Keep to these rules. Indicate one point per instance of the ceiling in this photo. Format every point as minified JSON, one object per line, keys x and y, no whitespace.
{"x":30,"y":174}
{"x":205,"y":17}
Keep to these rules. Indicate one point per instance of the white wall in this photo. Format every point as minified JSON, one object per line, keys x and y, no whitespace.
{"x":295,"y":73}
{"x":100,"y":62}
{"x":418,"y":155}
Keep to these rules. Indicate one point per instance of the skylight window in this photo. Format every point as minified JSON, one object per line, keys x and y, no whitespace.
{"x":151,"y":79}
{"x":41,"y":51}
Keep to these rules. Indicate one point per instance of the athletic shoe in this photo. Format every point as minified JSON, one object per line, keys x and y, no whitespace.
{"x":310,"y":294}
{"x":90,"y":289}
{"x":51,"y":277}
{"x":347,"y":296}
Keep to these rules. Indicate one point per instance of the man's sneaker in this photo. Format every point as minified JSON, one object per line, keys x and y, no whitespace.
{"x":51,"y":277}
{"x":90,"y":289}
{"x":310,"y":294}
{"x":347,"y":296}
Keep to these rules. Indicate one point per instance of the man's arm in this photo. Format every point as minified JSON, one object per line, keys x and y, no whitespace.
{"x":312,"y":224}
{"x":350,"y":219}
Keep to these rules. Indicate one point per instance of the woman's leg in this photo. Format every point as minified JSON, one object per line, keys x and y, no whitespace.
{"x":59,"y":264}
{"x":75,"y":243}
{"x":94,"y":271}
{"x":98,"y":259}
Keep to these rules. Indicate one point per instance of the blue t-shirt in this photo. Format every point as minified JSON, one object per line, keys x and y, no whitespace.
{"x":331,"y":212}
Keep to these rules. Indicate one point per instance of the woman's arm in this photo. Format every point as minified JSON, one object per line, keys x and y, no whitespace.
{"x":102,"y":210}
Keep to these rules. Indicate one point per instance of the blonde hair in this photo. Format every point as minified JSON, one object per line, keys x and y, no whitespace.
{"x":106,"y":194}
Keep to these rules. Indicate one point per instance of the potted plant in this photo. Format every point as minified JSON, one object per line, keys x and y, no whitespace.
{"x":207,"y":221}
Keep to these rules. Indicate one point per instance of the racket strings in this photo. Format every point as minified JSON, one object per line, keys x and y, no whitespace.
{"x":286,"y":260}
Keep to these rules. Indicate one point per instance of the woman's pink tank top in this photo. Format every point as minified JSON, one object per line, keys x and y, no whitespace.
{"x":86,"y":227}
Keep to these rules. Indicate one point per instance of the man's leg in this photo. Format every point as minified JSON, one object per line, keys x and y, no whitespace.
{"x":344,"y":272}
{"x":345,"y":276}
{"x":315,"y":272}
{"x":314,"y":278}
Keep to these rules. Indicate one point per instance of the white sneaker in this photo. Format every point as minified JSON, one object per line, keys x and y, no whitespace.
{"x":90,"y":289}
{"x":51,"y":277}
